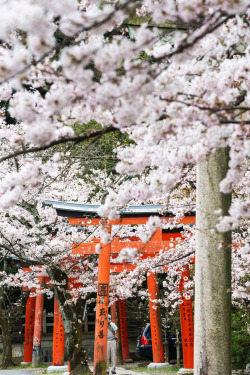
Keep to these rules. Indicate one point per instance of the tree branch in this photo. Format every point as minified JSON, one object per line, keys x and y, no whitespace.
{"x":19,"y":256}
{"x":187,"y":45}
{"x":76,"y":139}
{"x":175,"y":260}
{"x":242,"y":122}
{"x":204,"y":108}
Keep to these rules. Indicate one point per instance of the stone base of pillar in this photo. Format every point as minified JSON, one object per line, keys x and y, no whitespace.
{"x":26,"y":363}
{"x":129,"y":360}
{"x":186,"y":371}
{"x":158,"y":365}
{"x":66,"y":373}
{"x":57,"y":369}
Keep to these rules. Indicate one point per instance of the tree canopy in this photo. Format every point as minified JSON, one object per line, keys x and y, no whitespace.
{"x":117,"y":102}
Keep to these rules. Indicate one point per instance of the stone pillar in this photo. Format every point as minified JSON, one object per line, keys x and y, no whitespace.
{"x":101,"y":322}
{"x":29,"y":330}
{"x":155,"y":322}
{"x":38,"y":327}
{"x":212,"y":342}
{"x":187,"y":328}
{"x":124,"y":329}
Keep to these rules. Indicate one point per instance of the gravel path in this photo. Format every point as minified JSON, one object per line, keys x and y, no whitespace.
{"x":14,"y":372}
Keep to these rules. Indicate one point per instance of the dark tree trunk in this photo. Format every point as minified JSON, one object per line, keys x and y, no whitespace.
{"x":7,"y":346}
{"x":76,"y":353}
{"x":9,"y":315}
{"x":72,"y":316}
{"x":166,"y":347}
{"x":178,"y":350}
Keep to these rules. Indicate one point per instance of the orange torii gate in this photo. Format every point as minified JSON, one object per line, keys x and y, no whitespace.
{"x":133,"y":215}
{"x":33,"y":329}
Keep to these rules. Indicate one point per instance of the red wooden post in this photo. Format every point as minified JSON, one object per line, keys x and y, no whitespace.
{"x":38,"y":327}
{"x":115,"y":318}
{"x":29,"y":329}
{"x":155,"y":319}
{"x":58,"y":336}
{"x":101,"y":323}
{"x":187,"y":325}
{"x":124,"y":329}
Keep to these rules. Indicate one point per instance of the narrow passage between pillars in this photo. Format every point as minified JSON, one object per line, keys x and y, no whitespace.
{"x":187,"y":325}
{"x":155,"y":318}
{"x":124,"y":329}
{"x":29,"y":329}
{"x":38,"y":327}
{"x":101,"y":322}
{"x":58,"y":336}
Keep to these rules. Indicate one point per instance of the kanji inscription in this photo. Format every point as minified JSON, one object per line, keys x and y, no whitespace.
{"x":103,"y":290}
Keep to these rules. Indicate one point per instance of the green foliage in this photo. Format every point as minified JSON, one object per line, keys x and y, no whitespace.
{"x":8,"y":265}
{"x":240,"y":338}
{"x":23,"y":367}
{"x":166,"y":371}
{"x":62,"y":39}
{"x":94,"y":154}
{"x":4,"y":106}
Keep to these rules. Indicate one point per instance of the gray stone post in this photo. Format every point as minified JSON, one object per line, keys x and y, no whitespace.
{"x":212,"y":353}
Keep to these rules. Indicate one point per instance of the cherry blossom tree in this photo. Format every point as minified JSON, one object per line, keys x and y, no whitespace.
{"x":182,"y":103}
{"x":41,"y":241}
{"x":12,"y":306}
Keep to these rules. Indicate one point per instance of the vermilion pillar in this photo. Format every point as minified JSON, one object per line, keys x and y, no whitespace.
{"x":114,"y":315}
{"x":58,"y":336}
{"x":29,"y":329}
{"x":124,"y":329}
{"x":155,"y":318}
{"x":187,"y":325}
{"x":38,"y":327}
{"x":101,"y":322}
{"x":115,"y":318}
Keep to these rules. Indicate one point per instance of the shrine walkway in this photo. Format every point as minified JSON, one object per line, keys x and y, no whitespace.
{"x":14,"y":372}
{"x":119,"y":371}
